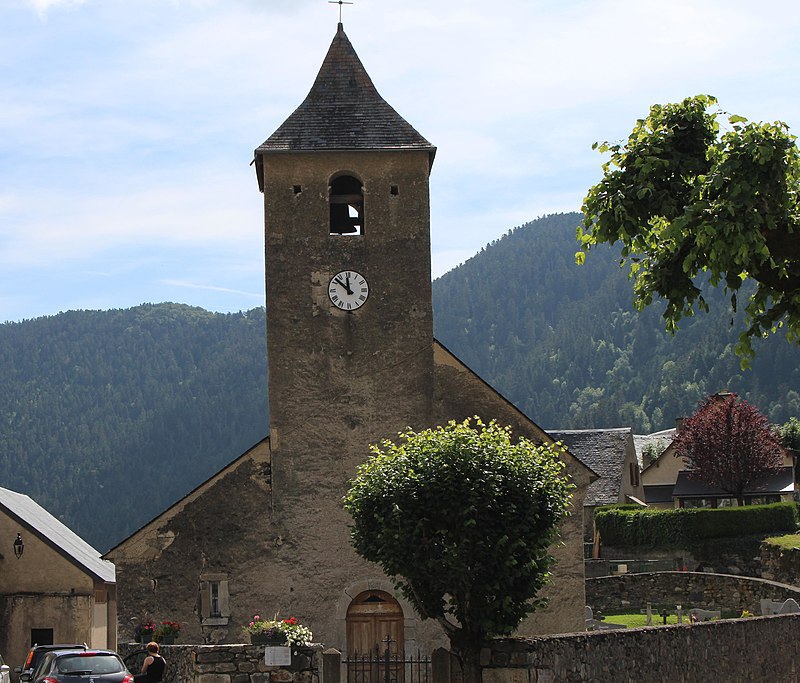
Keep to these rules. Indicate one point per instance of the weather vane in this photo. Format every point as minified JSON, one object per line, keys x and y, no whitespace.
{"x":340,"y":3}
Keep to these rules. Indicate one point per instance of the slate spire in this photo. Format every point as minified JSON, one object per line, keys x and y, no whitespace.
{"x":343,"y":111}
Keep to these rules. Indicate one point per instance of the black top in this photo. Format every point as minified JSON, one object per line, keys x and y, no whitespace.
{"x":155,"y":672}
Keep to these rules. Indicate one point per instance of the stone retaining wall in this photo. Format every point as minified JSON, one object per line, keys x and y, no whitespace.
{"x":738,"y":555}
{"x":689,"y":589}
{"x":734,"y":651}
{"x":780,"y":564}
{"x":232,"y":664}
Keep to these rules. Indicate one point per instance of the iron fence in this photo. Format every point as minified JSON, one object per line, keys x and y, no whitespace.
{"x":387,"y":668}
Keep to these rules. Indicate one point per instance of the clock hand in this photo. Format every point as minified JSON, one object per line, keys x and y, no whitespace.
{"x":346,"y":286}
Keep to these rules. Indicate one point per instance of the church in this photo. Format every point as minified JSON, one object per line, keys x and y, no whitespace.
{"x":352,"y":360}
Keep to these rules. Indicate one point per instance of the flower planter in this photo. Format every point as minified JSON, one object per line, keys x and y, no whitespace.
{"x":167,"y":640}
{"x":264,"y":639}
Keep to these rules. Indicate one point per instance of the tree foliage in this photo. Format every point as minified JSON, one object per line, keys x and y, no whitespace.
{"x":462,"y":519}
{"x":685,"y":198}
{"x":727,"y":443}
{"x":562,"y":343}
{"x":790,"y":434}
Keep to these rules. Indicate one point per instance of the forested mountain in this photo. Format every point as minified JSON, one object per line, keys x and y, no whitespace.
{"x":108,"y":417}
{"x":563,"y":343}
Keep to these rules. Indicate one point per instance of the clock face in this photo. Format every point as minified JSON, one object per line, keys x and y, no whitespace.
{"x":348,"y":290}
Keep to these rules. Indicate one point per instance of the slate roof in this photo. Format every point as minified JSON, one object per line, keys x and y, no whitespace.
{"x":658,"y":493}
{"x":661,"y":440}
{"x":602,"y":450}
{"x":780,"y":481}
{"x":343,"y":111}
{"x":51,"y":531}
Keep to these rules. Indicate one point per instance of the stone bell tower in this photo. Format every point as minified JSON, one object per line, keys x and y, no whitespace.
{"x":346,"y":209}
{"x":349,"y":320}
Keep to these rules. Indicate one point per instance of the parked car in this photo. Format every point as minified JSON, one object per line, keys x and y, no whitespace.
{"x":35,"y":655}
{"x":134,"y":660}
{"x":5,"y":671}
{"x":76,"y":666}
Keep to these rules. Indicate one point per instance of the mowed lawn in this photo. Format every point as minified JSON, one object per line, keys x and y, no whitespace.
{"x":632,"y":620}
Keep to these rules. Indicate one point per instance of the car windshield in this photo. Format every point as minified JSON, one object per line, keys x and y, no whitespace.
{"x":89,"y":663}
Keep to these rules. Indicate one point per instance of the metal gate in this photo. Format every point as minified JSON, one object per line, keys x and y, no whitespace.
{"x":388,"y":667}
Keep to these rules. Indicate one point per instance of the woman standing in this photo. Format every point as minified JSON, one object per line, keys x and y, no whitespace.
{"x":153,"y":665}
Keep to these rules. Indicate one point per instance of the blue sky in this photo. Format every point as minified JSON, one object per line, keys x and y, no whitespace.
{"x":127,"y":126}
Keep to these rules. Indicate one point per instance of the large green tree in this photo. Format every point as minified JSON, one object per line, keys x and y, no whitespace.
{"x":685,"y":197}
{"x":462,"y":519}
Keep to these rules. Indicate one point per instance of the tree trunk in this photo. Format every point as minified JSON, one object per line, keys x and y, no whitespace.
{"x":468,"y":651}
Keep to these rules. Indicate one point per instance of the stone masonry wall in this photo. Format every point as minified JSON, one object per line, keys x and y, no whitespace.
{"x":731,"y":650}
{"x":689,"y":589}
{"x":739,"y":555}
{"x":734,"y":651}
{"x":780,"y":564}
{"x":230,"y":664}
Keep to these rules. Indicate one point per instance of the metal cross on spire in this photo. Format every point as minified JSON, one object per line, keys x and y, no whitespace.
{"x":340,"y":3}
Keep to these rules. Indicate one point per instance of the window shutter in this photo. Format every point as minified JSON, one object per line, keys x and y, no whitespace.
{"x":205,"y":599}
{"x":224,"y":599}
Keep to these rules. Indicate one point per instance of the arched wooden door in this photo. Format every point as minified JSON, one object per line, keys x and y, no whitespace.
{"x":371,"y":617}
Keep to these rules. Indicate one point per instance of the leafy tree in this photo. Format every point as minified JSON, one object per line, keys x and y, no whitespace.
{"x":790,"y":434}
{"x":684,"y":199}
{"x":727,"y":443}
{"x":462,"y":519}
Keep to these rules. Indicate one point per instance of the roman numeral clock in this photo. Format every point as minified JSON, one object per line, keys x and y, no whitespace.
{"x":348,"y":290}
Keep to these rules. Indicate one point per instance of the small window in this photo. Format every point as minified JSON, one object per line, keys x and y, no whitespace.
{"x":41,"y":636}
{"x":214,"y":587}
{"x":394,"y":190}
{"x":297,"y":189}
{"x":214,"y":600}
{"x":347,"y":206}
{"x":634,"y":473}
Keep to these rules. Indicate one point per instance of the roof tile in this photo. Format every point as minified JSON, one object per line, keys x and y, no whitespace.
{"x":343,"y":111}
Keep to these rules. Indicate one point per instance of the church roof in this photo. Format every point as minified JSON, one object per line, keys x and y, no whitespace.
{"x":343,"y":111}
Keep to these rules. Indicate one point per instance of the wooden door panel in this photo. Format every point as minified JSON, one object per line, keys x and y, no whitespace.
{"x":371,"y":617}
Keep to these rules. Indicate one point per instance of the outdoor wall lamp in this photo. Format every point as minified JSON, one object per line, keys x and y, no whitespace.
{"x":19,"y":547}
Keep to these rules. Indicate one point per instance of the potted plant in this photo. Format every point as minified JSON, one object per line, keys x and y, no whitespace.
{"x":145,"y":631}
{"x":278,"y":632}
{"x":167,"y":632}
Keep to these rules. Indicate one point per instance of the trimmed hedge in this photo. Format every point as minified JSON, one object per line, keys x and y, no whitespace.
{"x":623,"y":525}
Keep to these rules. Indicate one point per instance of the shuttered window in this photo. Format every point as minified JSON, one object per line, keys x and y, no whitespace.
{"x":214,"y":599}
